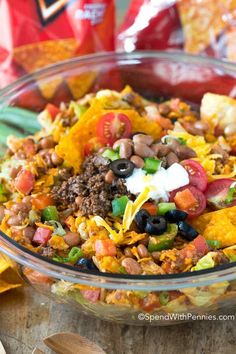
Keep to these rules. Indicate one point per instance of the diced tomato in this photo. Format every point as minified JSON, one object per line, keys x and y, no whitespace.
{"x":185,"y":199}
{"x":198,"y":195}
{"x":24,"y":181}
{"x":52,"y":110}
{"x":151,"y":208}
{"x":93,"y":145}
{"x":150,"y":302}
{"x":201,"y":245}
{"x":196,"y":248}
{"x":197,"y":174}
{"x":216,"y":193}
{"x":91,"y":295}
{"x":113,"y":126}
{"x":29,"y":147}
{"x":105,"y":248}
{"x":42,"y":201}
{"x":42,"y":236}
{"x":35,"y":277}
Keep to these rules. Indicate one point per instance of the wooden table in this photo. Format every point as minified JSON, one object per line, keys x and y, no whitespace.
{"x":26,"y":317}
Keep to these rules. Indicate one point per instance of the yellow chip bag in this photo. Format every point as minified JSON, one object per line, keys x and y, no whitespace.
{"x":218,"y":225}
{"x":71,"y":147}
{"x":9,"y":279}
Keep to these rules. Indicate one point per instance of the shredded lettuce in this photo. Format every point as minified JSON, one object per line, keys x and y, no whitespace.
{"x":205,"y":262}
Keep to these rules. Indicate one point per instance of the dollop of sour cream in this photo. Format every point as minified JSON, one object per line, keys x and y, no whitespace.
{"x":160,"y":183}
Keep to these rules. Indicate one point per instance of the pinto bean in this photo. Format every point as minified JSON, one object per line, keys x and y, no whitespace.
{"x":2,"y":212}
{"x":137,"y":160}
{"x":164,"y":109}
{"x":120,"y":141}
{"x":143,"y":150}
{"x":29,"y":232}
{"x":160,"y":150}
{"x":143,"y":139}
{"x":78,"y":200}
{"x":72,"y":239}
{"x":14,"y":171}
{"x":142,"y":251}
{"x":125,"y":150}
{"x":171,"y":158}
{"x":156,"y":255}
{"x":109,"y":177}
{"x":56,"y":160}
{"x":184,"y":152}
{"x":128,"y":253}
{"x":15,"y":220}
{"x":46,"y":157}
{"x":21,"y":207}
{"x":131,"y":266}
{"x":47,"y":142}
{"x":201,"y":125}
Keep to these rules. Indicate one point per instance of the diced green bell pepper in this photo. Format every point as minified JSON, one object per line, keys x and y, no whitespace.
{"x":214,"y":243}
{"x":3,"y":192}
{"x":164,"y":207}
{"x":164,"y":298}
{"x":50,"y":213}
{"x":79,"y":109}
{"x":74,"y":254}
{"x":111,"y":154}
{"x":151,"y":165}
{"x":119,"y":205}
{"x":164,"y":241}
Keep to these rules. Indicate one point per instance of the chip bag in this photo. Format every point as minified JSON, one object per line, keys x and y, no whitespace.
{"x":36,"y":33}
{"x":196,"y":26}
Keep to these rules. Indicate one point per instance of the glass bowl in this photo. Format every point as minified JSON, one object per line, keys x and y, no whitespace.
{"x":129,"y":299}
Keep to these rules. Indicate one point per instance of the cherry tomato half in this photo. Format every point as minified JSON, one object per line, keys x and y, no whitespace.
{"x":201,"y":200}
{"x":197,"y":174}
{"x":112,"y":127}
{"x":216,"y":193}
{"x":53,"y":110}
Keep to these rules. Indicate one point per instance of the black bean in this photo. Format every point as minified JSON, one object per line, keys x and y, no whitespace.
{"x":175,"y":215}
{"x":156,"y":225}
{"x":187,"y":231}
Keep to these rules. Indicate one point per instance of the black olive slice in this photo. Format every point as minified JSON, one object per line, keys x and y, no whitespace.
{"x":141,"y":219}
{"x":156,"y":225}
{"x":187,"y":231}
{"x":122,"y":168}
{"x":175,"y":215}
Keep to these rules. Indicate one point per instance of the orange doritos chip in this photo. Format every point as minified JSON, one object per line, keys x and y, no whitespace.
{"x":71,"y":147}
{"x":202,"y":22}
{"x":9,"y":279}
{"x":218,"y":225}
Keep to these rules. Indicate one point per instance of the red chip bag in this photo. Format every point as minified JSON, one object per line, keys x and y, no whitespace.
{"x":205,"y":27}
{"x":150,"y":24}
{"x":36,"y":33}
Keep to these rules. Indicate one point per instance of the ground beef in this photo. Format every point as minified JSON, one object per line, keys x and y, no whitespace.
{"x":91,"y":186}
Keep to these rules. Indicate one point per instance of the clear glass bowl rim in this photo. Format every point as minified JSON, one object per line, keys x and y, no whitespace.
{"x":68,"y":273}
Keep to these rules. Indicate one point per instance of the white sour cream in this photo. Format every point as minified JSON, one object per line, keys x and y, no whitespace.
{"x":161,"y":183}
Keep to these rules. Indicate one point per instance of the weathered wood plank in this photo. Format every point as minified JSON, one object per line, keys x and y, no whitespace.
{"x":26,"y":317}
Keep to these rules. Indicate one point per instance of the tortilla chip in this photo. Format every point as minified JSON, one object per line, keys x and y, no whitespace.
{"x":9,"y":279}
{"x":37,"y":55}
{"x":218,"y":225}
{"x":202,"y":22}
{"x":71,"y":147}
{"x":80,"y":85}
